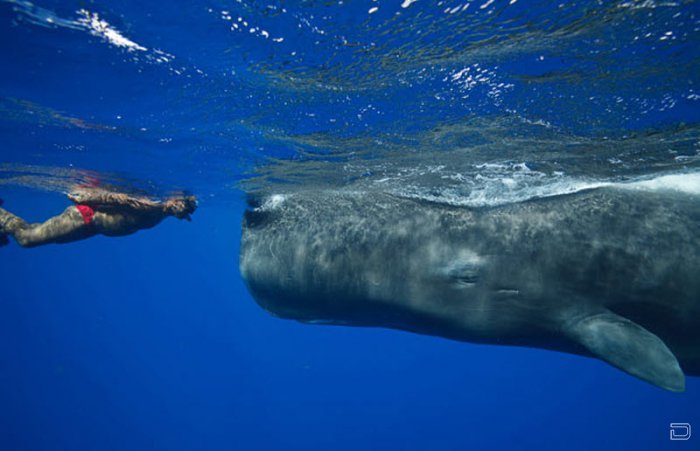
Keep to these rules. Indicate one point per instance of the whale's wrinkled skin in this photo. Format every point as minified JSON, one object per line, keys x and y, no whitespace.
{"x":611,"y":272}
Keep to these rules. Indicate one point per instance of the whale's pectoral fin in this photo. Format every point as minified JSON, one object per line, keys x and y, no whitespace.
{"x":628,"y":346}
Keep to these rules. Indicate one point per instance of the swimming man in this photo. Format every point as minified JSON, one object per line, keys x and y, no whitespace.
{"x":95,"y":212}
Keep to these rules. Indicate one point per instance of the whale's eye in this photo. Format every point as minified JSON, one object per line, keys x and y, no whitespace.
{"x":463,"y":272}
{"x":467,"y":278}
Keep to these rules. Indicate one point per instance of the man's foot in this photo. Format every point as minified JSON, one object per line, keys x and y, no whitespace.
{"x":5,"y":218}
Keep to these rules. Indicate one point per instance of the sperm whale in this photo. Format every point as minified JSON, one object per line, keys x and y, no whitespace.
{"x":611,"y":272}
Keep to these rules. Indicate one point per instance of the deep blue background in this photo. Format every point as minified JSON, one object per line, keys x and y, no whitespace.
{"x":152,"y":342}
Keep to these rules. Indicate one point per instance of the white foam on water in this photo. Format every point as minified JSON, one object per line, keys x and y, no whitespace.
{"x":685,"y":183}
{"x":494,"y":184}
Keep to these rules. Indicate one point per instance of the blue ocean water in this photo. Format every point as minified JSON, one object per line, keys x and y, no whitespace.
{"x":152,"y":341}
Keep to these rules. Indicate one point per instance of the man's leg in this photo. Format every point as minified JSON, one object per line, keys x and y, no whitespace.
{"x":9,"y":222}
{"x":66,"y":227}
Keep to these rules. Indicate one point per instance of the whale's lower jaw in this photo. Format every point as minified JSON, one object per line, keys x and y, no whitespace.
{"x":599,"y":333}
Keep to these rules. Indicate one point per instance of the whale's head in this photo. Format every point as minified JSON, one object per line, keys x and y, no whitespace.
{"x":302,"y":260}
{"x":275,"y":261}
{"x":259,"y":263}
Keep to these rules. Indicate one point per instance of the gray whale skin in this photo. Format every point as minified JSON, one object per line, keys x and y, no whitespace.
{"x":612,"y":273}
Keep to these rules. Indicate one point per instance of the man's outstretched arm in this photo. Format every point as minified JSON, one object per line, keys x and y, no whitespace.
{"x":112,"y":199}
{"x":179,"y":206}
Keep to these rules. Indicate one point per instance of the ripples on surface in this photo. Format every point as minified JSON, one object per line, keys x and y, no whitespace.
{"x":470,"y":102}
